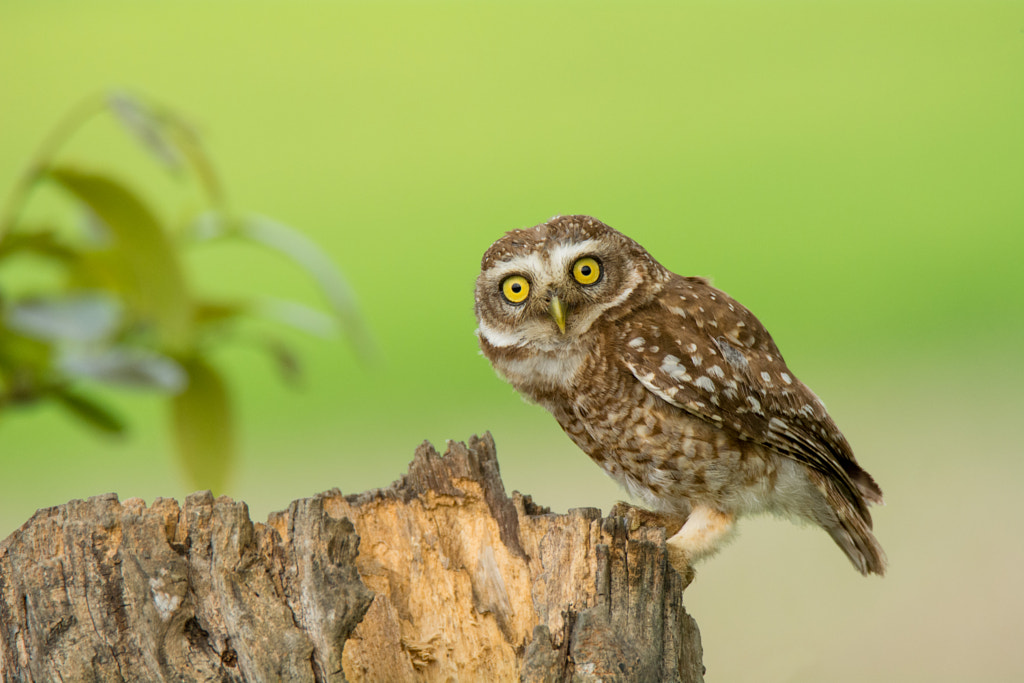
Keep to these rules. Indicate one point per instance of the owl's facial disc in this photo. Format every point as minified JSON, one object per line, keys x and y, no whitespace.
{"x":567,"y":287}
{"x":546,"y":291}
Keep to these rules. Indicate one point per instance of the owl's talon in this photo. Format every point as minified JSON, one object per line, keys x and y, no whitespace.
{"x":637,"y":517}
{"x":703,"y":533}
{"x":681,"y":563}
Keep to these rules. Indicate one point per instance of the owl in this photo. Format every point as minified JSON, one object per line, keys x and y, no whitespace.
{"x":671,"y":386}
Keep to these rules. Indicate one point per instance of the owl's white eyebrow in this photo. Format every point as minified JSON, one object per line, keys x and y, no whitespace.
{"x":527,"y":263}
{"x":564,"y":254}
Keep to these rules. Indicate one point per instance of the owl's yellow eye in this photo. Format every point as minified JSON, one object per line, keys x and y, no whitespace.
{"x":587,"y":271}
{"x":516,"y":289}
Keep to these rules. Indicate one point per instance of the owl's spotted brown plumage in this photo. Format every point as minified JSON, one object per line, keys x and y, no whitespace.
{"x":670,"y":385}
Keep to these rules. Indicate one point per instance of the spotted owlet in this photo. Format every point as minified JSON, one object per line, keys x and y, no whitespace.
{"x":671,"y":386}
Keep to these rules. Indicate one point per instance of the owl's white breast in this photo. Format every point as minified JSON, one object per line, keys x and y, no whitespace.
{"x":540,"y":369}
{"x":545,"y":371}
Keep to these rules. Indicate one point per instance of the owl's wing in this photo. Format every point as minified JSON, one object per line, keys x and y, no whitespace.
{"x":703,"y":352}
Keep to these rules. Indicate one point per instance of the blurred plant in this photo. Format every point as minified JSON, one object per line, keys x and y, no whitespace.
{"x":123,"y":313}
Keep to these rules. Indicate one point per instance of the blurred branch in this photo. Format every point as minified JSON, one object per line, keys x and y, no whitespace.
{"x":126,"y":314}
{"x":168,"y":137}
{"x":65,"y":129}
{"x":158,"y":129}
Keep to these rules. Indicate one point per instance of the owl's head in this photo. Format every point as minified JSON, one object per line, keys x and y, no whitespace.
{"x":546,"y":286}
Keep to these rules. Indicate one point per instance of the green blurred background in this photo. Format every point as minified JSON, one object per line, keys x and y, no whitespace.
{"x":851,"y":171}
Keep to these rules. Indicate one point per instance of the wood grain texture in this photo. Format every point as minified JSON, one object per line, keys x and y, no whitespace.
{"x":441,"y":576}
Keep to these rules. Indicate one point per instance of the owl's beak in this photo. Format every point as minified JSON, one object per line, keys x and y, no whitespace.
{"x":557,"y":310}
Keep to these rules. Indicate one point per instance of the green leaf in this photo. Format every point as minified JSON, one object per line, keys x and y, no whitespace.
{"x":81,"y":317}
{"x":298,"y":316}
{"x":208,"y":313}
{"x":320,"y":267}
{"x":207,"y":226}
{"x":42,"y":242}
{"x":125,"y":366}
{"x":25,"y":363}
{"x":88,"y":410}
{"x":108,"y":271}
{"x":287,"y":362}
{"x":152,"y":260}
{"x":203,"y":426}
{"x":146,"y":127}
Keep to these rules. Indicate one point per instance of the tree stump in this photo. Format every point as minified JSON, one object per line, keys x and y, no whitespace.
{"x":439,"y":577}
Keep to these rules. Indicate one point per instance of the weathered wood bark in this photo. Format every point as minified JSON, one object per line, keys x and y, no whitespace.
{"x":439,"y":577}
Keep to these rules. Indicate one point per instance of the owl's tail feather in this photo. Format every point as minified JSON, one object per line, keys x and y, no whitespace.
{"x":853,"y":535}
{"x":864,"y":482}
{"x":845,"y":517}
